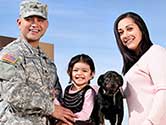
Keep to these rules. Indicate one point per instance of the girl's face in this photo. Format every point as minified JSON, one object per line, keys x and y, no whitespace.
{"x":81,"y":74}
{"x":130,"y":33}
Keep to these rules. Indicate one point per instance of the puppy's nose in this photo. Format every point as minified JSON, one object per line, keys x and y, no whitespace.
{"x":108,"y":86}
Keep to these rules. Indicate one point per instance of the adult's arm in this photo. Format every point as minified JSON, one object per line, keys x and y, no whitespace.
{"x":157,"y":70}
{"x":23,"y":97}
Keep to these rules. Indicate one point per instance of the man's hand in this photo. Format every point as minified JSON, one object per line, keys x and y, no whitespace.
{"x":63,"y":114}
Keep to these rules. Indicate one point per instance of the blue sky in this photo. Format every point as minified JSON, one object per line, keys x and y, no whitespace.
{"x":86,"y":26}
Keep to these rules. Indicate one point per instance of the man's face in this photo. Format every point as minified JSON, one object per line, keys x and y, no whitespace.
{"x":32,"y":28}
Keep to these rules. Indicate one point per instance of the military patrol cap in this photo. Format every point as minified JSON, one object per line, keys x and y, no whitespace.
{"x":33,"y":8}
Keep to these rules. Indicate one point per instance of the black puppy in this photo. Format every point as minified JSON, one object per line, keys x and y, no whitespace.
{"x":109,"y":100}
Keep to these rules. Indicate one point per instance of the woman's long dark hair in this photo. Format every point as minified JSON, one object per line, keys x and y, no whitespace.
{"x":129,"y":56}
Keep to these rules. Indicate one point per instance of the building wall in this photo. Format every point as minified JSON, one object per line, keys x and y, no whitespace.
{"x":47,"y":47}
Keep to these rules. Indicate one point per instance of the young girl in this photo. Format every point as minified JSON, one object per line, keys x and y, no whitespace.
{"x":79,"y":95}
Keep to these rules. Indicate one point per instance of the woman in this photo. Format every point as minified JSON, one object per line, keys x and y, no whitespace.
{"x":144,"y":69}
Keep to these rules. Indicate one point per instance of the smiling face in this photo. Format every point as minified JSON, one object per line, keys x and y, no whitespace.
{"x":81,"y":74}
{"x":130,"y":33}
{"x":32,"y":28}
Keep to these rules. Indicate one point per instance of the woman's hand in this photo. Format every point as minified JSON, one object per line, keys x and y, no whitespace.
{"x":63,"y":114}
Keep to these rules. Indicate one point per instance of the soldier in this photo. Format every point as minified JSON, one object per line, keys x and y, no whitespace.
{"x":28,"y":78}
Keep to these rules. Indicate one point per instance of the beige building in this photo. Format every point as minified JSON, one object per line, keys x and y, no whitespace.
{"x":47,"y":47}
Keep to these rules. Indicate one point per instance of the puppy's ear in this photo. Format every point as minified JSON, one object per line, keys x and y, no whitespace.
{"x":100,"y":80}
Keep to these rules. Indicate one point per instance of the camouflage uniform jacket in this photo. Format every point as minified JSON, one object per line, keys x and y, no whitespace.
{"x":27,"y":82}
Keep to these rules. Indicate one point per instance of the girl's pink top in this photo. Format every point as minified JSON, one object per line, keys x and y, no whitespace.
{"x":88,"y":105}
{"x":145,"y":91}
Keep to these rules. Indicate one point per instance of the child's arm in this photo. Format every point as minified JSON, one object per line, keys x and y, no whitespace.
{"x":88,"y":105}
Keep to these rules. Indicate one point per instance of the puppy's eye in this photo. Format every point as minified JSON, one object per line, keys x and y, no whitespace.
{"x":107,"y":80}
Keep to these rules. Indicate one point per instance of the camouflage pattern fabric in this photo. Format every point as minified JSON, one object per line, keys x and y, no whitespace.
{"x":33,"y":7}
{"x":28,"y":84}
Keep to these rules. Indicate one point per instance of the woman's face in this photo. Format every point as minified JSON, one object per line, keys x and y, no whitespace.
{"x":130,"y":33}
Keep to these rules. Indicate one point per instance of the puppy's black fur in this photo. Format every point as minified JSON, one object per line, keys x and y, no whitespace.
{"x":109,"y":100}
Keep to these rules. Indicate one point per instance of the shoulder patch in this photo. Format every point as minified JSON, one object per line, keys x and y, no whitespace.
{"x":9,"y":58}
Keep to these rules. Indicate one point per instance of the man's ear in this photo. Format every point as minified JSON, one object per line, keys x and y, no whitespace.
{"x":47,"y":23}
{"x":18,"y":22}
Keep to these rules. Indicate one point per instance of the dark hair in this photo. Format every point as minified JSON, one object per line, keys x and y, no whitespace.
{"x":130,"y":57}
{"x":80,"y":58}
